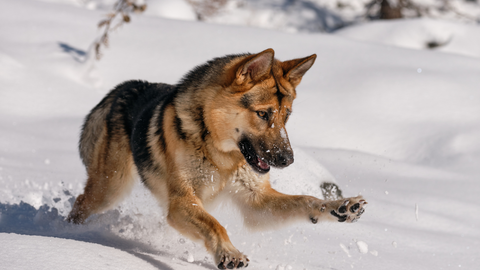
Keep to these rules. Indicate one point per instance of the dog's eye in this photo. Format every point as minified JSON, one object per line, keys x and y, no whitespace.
{"x":288,"y":115}
{"x":263,"y":115}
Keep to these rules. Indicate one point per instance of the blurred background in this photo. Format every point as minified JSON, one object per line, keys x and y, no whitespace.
{"x":298,"y":15}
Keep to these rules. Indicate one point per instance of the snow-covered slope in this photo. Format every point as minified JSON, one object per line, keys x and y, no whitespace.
{"x":57,"y":253}
{"x":442,"y":36}
{"x":400,"y":126}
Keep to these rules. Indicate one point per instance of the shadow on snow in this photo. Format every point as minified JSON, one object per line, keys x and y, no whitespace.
{"x":25,"y":219}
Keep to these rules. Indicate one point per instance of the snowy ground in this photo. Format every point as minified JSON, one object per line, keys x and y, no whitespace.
{"x":378,"y":113}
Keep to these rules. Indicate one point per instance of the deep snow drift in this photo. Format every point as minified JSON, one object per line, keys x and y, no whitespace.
{"x":400,"y":126}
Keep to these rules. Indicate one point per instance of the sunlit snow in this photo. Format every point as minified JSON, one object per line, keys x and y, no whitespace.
{"x":378,"y":113}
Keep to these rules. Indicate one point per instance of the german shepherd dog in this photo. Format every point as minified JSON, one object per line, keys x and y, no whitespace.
{"x":218,"y":131}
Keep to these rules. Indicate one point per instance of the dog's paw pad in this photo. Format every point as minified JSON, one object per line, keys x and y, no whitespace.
{"x":354,"y":208}
{"x":350,"y":210}
{"x":227,"y":263}
{"x":341,"y":218}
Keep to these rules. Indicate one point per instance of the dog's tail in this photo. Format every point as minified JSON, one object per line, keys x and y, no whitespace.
{"x":94,"y":129}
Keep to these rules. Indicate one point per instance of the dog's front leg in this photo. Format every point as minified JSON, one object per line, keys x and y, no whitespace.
{"x":263,"y":206}
{"x":187,"y":215}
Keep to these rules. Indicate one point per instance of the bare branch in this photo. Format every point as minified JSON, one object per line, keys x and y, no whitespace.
{"x":113,"y":20}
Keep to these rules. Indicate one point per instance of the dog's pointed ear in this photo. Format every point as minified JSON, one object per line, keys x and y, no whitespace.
{"x":255,"y":68}
{"x":296,"y":68}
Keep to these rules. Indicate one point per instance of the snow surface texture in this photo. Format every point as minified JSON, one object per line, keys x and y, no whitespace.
{"x":400,"y":126}
{"x":420,"y":34}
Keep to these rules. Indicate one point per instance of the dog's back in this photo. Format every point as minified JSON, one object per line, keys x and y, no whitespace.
{"x":116,"y":114}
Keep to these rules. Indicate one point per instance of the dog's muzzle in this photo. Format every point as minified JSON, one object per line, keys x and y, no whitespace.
{"x":261,"y":164}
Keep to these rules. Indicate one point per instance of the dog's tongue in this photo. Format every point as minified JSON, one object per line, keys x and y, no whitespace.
{"x":262,"y":164}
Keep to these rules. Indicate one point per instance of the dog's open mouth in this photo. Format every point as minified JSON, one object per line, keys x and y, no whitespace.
{"x":252,"y":158}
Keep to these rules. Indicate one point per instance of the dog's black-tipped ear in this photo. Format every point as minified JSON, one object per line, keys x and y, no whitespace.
{"x":256,"y":68}
{"x":296,"y":68}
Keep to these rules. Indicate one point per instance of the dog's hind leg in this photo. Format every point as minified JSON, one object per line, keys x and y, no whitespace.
{"x":110,"y":178}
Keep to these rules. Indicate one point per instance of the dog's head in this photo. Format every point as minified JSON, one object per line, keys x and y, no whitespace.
{"x":254,"y":107}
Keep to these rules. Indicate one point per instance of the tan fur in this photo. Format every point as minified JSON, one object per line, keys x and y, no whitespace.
{"x":195,"y":154}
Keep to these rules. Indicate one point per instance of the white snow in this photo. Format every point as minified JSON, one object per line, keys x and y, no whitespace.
{"x":416,"y":212}
{"x":377,"y":112}
{"x":362,"y":247}
{"x":46,"y":253}
{"x":345,"y":249}
{"x":172,"y":9}
{"x":452,"y":37}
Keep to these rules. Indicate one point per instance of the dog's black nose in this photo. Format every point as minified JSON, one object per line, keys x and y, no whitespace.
{"x":284,"y":160}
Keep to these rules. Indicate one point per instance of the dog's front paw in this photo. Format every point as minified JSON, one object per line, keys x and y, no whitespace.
{"x":347,"y":210}
{"x":344,"y":210}
{"x":232,"y":260}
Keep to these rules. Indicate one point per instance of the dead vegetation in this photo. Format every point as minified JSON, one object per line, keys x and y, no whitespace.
{"x":120,"y":14}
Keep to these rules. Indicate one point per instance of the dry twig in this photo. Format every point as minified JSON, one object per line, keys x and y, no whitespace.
{"x":121,"y":13}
